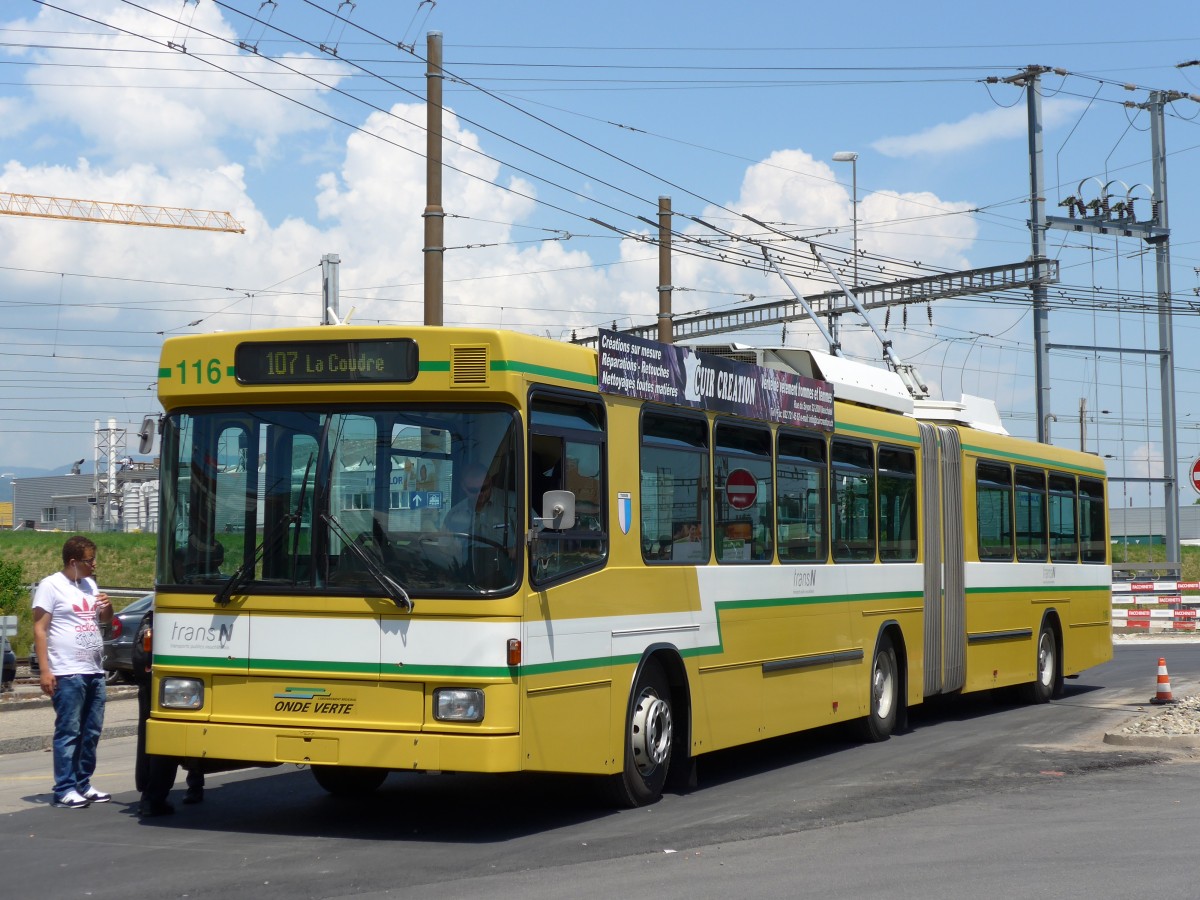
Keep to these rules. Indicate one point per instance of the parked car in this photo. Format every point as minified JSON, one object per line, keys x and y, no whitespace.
{"x":9,"y":668}
{"x":118,"y":644}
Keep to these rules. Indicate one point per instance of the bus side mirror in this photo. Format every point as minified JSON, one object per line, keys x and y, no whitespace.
{"x":146,"y":436}
{"x":558,"y":510}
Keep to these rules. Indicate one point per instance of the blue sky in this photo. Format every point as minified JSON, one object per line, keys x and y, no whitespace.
{"x":564,"y":124}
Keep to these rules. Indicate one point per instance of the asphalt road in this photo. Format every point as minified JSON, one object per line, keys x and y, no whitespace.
{"x":976,"y":799}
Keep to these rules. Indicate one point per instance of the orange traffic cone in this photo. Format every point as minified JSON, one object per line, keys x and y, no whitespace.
{"x":1164,"y":694}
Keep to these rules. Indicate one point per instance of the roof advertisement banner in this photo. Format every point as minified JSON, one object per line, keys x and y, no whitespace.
{"x":667,"y":373}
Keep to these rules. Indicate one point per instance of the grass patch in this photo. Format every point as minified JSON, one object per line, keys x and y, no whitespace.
{"x":1141,"y":554}
{"x":26,"y":557}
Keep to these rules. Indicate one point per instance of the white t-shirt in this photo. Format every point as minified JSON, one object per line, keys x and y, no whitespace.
{"x":74,"y":642}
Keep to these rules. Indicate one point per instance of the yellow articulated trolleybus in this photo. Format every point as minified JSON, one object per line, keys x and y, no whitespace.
{"x":454,"y":549}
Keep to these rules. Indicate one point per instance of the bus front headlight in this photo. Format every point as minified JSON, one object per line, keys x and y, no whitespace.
{"x":181,"y":693}
{"x":458,"y":705}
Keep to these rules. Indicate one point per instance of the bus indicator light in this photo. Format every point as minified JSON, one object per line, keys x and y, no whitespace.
{"x":514,"y":652}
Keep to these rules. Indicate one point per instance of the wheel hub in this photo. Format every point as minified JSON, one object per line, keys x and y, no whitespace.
{"x":1045,"y":660}
{"x":883,"y":689}
{"x":651,"y":732}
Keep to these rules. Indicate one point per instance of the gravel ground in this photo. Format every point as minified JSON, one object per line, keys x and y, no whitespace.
{"x":1180,"y":717}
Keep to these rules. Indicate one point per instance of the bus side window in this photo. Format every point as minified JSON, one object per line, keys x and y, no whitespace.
{"x":1064,"y":534}
{"x":897,"y":504}
{"x":745,"y":494}
{"x":567,"y":452}
{"x":993,"y":510}
{"x":674,"y":496}
{"x":1031,"y":515}
{"x":802,"y":480}
{"x":1093,"y":540}
{"x":853,"y":501}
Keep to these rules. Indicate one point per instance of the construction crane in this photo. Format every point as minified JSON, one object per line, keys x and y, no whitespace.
{"x":117,"y":213}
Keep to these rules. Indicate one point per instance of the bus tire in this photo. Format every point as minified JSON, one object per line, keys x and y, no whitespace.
{"x":884,"y":690}
{"x":349,"y":781}
{"x":1047,"y":680}
{"x":649,"y":740}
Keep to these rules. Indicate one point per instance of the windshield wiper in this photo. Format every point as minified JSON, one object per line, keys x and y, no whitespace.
{"x":390,"y":585}
{"x":241,"y":575}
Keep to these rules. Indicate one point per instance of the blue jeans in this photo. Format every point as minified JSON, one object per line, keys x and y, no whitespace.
{"x":79,"y":719}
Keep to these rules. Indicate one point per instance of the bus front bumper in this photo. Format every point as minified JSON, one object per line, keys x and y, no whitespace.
{"x":397,"y":751}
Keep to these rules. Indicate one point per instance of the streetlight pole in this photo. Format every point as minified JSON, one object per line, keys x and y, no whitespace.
{"x":851,"y":157}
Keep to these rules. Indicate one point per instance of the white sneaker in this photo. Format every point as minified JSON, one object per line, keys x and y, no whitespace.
{"x":95,"y":796}
{"x":71,"y":800}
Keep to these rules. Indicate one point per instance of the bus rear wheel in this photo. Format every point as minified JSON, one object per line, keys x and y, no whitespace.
{"x":349,"y":781}
{"x":880,"y":721}
{"x":649,"y":739}
{"x":1047,"y":682}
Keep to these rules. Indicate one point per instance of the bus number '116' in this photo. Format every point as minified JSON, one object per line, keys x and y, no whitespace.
{"x":210,"y":371}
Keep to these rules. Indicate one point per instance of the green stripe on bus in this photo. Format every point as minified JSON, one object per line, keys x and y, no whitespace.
{"x":210,"y":662}
{"x":315,"y":669}
{"x":844,"y":427}
{"x":524,"y":368}
{"x":326,"y":667}
{"x":1040,"y":461}
{"x":768,"y":602}
{"x":517,"y":367}
{"x":722,"y":607}
{"x":1043,"y":589}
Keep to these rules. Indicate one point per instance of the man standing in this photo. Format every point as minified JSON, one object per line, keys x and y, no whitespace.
{"x":68,"y":612}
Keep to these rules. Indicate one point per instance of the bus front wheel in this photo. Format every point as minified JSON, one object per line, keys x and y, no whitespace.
{"x":649,"y":738}
{"x":884,"y":694}
{"x":349,"y":781}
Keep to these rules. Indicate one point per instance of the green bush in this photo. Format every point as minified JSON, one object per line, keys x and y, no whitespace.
{"x":14,"y":601}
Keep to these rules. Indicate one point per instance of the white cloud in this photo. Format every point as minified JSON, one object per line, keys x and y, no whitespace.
{"x":799,"y":193}
{"x":170,"y":106}
{"x":975,"y":130}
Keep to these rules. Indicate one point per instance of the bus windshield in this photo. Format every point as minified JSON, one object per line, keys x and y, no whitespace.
{"x":275,"y":496}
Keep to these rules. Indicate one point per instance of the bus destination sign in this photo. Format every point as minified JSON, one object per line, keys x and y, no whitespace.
{"x":326,"y":362}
